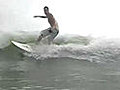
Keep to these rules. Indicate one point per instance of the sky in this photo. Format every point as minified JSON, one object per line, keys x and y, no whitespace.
{"x":96,"y":18}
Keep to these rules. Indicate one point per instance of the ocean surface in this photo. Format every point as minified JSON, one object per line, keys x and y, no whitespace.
{"x":73,"y":62}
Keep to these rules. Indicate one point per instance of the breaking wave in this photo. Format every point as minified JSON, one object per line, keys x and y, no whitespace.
{"x":97,"y":51}
{"x":66,"y":46}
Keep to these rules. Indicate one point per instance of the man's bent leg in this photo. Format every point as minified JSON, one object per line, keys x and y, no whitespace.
{"x":39,"y":38}
{"x":43,"y":34}
{"x":52,"y":35}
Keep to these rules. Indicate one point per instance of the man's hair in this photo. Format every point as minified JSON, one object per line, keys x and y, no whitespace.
{"x":46,"y":8}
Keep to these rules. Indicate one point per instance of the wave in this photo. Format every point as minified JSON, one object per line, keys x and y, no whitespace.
{"x":99,"y":51}
{"x":66,"y":46}
{"x":62,"y":43}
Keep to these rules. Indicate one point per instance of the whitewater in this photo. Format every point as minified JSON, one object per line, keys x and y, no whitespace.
{"x":66,"y":46}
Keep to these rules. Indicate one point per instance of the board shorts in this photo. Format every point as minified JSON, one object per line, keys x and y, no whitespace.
{"x":50,"y":33}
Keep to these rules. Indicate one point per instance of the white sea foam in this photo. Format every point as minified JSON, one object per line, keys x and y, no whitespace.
{"x":97,"y":51}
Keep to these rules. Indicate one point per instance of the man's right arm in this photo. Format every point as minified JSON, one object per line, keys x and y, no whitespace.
{"x":40,"y":16}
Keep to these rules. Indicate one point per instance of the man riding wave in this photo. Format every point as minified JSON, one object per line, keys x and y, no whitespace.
{"x":52,"y":31}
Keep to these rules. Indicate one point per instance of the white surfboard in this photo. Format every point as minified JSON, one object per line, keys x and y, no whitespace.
{"x":22,"y":46}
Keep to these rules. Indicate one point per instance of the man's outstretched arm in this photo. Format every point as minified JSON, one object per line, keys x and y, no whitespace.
{"x":40,"y":16}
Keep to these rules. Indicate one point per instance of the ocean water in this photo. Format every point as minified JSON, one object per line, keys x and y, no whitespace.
{"x":73,"y":62}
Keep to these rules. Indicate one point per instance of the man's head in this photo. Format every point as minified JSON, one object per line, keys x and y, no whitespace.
{"x":46,"y":10}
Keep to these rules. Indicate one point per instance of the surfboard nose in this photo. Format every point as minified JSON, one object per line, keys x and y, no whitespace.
{"x":22,"y":46}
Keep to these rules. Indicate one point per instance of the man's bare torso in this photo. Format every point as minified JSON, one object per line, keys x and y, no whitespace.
{"x":52,"y":21}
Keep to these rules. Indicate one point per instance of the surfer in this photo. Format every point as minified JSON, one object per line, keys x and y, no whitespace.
{"x":53,"y":30}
